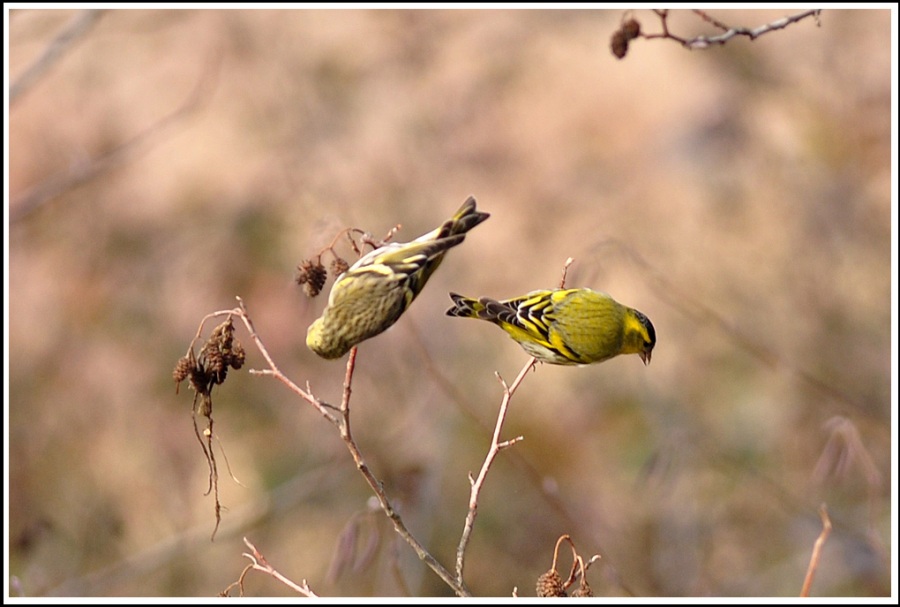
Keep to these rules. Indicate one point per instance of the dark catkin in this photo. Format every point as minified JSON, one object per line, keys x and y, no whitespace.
{"x":631,"y":29}
{"x":339,"y":266}
{"x":182,"y":369}
{"x":550,"y":584}
{"x":312,"y":276}
{"x":237,"y":356}
{"x":619,"y":44}
{"x":200,"y":380}
{"x":584,"y":590}
{"x":210,"y":367}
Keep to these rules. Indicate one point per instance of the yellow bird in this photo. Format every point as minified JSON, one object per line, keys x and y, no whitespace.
{"x":565,"y":326}
{"x":376,"y":290}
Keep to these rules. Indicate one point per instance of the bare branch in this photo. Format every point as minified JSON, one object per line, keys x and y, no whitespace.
{"x":631,"y":29}
{"x":378,"y":487}
{"x":817,"y":551}
{"x":343,"y":425}
{"x":259,"y":563}
{"x":275,"y":372}
{"x":49,"y":189}
{"x":565,"y":271}
{"x":493,"y":450}
{"x":80,"y":24}
{"x":701,"y":42}
{"x":517,"y":457}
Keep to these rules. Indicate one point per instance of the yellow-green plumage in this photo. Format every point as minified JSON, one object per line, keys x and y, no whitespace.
{"x":375,"y":291}
{"x":565,"y":326}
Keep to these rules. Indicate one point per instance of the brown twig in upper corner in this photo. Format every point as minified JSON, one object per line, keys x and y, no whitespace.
{"x":817,"y":551}
{"x":631,"y":29}
{"x":702,"y":42}
{"x":80,"y":24}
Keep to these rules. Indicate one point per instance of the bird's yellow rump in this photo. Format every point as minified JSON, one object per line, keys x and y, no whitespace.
{"x":375,"y":291}
{"x":565,"y":326}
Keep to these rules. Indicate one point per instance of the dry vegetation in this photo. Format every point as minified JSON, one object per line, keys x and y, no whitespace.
{"x":740,"y":196}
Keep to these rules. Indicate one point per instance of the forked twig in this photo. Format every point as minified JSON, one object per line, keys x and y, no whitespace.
{"x":493,"y":450}
{"x":342,"y":422}
{"x":817,"y":551}
{"x":259,"y":563}
{"x":495,"y":447}
{"x":54,"y":51}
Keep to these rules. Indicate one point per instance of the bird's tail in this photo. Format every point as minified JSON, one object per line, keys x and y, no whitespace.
{"x":465,"y":218}
{"x":465,"y":307}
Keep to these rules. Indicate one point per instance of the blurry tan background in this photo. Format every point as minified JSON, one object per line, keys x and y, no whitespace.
{"x":739,"y":196}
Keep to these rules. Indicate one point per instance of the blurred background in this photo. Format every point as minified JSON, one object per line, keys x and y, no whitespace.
{"x":162,"y":162}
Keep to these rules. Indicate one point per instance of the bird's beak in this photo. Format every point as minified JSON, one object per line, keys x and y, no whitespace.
{"x":645,"y":356}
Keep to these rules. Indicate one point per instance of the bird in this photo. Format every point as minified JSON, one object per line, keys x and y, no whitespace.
{"x":372,"y":294}
{"x":575,"y":326}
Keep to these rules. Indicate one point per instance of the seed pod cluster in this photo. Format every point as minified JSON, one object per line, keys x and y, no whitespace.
{"x":629,"y":30}
{"x":551,"y":584}
{"x":210,"y":368}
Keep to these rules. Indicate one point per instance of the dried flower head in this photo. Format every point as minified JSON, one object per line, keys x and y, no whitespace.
{"x":584,"y":590}
{"x":631,"y":29}
{"x":339,"y":265}
{"x":312,"y":276}
{"x":619,"y":44}
{"x":550,"y":584}
{"x":182,"y":370}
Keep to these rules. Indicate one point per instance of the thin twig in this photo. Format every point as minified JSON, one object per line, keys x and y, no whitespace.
{"x":260,"y":563}
{"x":478,"y":482}
{"x":702,"y":42}
{"x":343,"y":425}
{"x":275,"y":372}
{"x":817,"y":551}
{"x":565,"y":271}
{"x":80,"y":24}
{"x":495,"y":448}
{"x":517,"y":457}
{"x":378,"y":487}
{"x":40,"y":194}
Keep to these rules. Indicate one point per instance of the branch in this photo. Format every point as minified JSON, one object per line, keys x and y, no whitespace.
{"x":817,"y":551}
{"x":80,"y":24}
{"x":342,"y":422}
{"x":478,"y":483}
{"x":753,"y":34}
{"x":56,"y":185}
{"x":631,"y":29}
{"x":259,"y":563}
{"x":378,"y":487}
{"x":551,"y":497}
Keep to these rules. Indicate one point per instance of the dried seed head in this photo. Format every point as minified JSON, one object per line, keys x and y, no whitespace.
{"x":200,"y":380}
{"x":339,"y":266}
{"x":550,"y":584}
{"x":584,"y":589}
{"x":619,"y":44}
{"x":182,"y":369}
{"x":236,"y":360}
{"x":215,"y":363}
{"x":631,"y":29}
{"x":312,"y":276}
